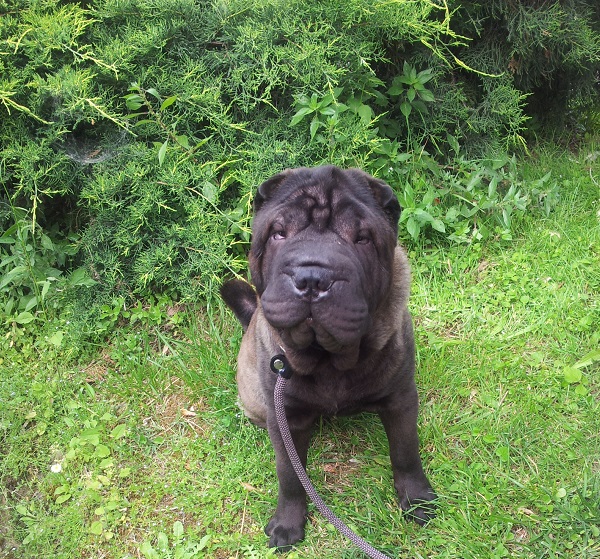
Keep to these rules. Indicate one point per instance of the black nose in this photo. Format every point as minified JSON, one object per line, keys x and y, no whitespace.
{"x":312,"y":281}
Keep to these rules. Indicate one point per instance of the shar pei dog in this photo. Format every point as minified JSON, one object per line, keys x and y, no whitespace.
{"x":330,"y":292}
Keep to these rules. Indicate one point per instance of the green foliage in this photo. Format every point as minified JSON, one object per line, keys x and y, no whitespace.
{"x":550,"y":50}
{"x":471,"y":200}
{"x":178,"y":548}
{"x":410,"y":91}
{"x":141,"y":450}
{"x":136,"y":132}
{"x":30,"y":269}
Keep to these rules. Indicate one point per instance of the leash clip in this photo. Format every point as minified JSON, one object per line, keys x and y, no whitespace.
{"x":280,"y":366}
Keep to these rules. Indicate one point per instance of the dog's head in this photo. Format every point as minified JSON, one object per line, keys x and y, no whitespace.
{"x":322,"y":254}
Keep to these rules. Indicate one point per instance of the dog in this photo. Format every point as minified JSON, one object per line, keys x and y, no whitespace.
{"x":331,"y":286}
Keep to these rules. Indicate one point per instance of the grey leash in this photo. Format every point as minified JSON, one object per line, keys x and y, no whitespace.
{"x":280,"y":366}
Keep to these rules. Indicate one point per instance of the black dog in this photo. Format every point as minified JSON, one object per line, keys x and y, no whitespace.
{"x":331,"y":294}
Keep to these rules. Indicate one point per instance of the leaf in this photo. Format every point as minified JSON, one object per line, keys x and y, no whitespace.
{"x":177,"y":529}
{"x":426,"y":96}
{"x":402,"y":157}
{"x":162,"y":541}
{"x":153,"y":92}
{"x":96,"y":528}
{"x":314,"y":126}
{"x":168,"y":102}
{"x":413,"y":227}
{"x":572,"y":375}
{"x":203,"y":542}
{"x":33,"y":301}
{"x":47,"y":242}
{"x":438,"y":225}
{"x":423,"y":215}
{"x":588,"y":359}
{"x":502,"y":452}
{"x":22,"y":510}
{"x":62,"y":498}
{"x":395,"y":90}
{"x":45,"y":288}
{"x":162,"y":152}
{"x":102,"y":451}
{"x":209,"y":191}
{"x":104,"y":480}
{"x":581,"y":390}
{"x":453,"y":143}
{"x":134,"y":101}
{"x":420,"y":106}
{"x":428,"y":198}
{"x":106,"y":463}
{"x":80,"y":276}
{"x":118,"y":431}
{"x":144,"y":121}
{"x":183,"y":141}
{"x":365,"y":113}
{"x":12,"y":274}
{"x":406,"y":109}
{"x":425,"y":75}
{"x":327,"y":100}
{"x":328,"y":111}
{"x":24,"y":318}
{"x":409,"y":196}
{"x":148,"y":551}
{"x":56,"y":338}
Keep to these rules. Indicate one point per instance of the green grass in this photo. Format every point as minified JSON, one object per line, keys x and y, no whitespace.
{"x":148,"y":434}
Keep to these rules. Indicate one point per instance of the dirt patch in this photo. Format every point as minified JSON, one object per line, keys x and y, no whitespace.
{"x":176,"y":410}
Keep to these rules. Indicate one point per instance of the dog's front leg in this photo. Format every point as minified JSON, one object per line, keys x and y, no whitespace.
{"x":286,"y":527}
{"x":413,"y":488}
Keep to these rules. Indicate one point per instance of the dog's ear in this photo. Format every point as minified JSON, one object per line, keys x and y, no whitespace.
{"x":268,"y":188}
{"x":385,"y":197}
{"x":241,"y":298}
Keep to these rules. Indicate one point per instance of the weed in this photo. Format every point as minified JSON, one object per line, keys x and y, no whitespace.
{"x":31,"y":269}
{"x":178,"y":548}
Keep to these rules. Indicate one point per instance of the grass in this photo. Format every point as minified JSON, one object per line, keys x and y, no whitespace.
{"x":146,"y":432}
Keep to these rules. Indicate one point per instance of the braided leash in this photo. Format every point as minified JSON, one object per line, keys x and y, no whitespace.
{"x":280,"y":366}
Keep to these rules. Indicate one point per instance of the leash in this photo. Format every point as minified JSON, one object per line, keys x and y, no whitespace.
{"x":281,"y":367}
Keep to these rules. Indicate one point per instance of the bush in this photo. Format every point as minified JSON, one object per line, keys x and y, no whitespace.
{"x":136,"y":131}
{"x":549,"y":51}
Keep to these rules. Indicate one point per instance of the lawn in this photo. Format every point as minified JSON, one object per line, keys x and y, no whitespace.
{"x":139,"y":450}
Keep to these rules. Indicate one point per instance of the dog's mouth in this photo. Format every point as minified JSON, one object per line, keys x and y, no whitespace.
{"x":329,"y":327}
{"x":314,"y":345}
{"x":311,"y":339}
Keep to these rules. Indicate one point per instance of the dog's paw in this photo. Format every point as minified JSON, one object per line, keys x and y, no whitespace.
{"x":283,"y":533}
{"x":417,"y":500}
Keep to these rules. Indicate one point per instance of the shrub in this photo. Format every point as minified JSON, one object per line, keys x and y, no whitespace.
{"x":136,"y":131}
{"x":549,"y":51}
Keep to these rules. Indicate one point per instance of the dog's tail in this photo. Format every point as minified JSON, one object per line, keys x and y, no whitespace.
{"x":241,"y":298}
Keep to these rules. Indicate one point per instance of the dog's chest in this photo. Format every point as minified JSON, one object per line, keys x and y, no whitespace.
{"x":334,"y":394}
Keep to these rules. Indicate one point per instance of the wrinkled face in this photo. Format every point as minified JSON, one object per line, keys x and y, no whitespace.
{"x":322,"y":253}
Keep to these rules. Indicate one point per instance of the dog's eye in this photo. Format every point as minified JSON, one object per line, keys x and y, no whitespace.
{"x":362,"y":239}
{"x":278,"y":235}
